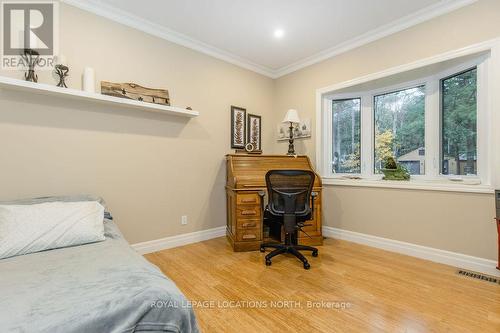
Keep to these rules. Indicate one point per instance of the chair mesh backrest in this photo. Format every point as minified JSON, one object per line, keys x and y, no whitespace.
{"x":289,"y":185}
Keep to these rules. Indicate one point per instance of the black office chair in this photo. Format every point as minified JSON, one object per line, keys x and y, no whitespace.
{"x":289,"y":192}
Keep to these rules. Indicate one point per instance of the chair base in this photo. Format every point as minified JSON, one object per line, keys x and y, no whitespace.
{"x":292,"y":249}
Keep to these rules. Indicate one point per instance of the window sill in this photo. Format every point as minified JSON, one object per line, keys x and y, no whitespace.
{"x":414,"y":184}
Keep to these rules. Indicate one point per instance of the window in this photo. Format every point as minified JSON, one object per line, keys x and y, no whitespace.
{"x":436,"y":121}
{"x":459,"y":124}
{"x":346,"y":135}
{"x":400,"y":129}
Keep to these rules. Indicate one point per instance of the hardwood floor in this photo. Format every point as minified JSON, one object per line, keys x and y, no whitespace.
{"x":375,"y":291}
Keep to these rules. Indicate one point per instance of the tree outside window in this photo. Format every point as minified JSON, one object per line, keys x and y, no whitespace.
{"x":400,"y":129}
{"x":346,"y":135}
{"x":459,"y":124}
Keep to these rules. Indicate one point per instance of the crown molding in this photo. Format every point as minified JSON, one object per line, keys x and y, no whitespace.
{"x":133,"y":21}
{"x":157,"y":30}
{"x":425,"y":14}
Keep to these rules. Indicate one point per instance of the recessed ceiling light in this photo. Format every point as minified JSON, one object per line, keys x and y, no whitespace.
{"x":279,"y":33}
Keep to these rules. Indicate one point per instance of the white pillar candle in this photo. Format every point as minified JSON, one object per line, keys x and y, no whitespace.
{"x":89,"y":80}
{"x":61,"y":60}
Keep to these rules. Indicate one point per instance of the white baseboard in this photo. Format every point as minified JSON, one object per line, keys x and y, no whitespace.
{"x":178,"y":240}
{"x":476,"y":264}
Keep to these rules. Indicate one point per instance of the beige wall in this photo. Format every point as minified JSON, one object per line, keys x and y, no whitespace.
{"x":151,"y":169}
{"x":456,"y":222}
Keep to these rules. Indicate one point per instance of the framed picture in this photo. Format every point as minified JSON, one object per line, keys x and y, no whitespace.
{"x":254,"y":132}
{"x":300,"y":131}
{"x":238,"y":127}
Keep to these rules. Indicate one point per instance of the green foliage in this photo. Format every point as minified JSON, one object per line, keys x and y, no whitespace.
{"x":399,"y":173}
{"x":352,"y":161}
{"x":394,"y":171}
{"x":390,"y":163}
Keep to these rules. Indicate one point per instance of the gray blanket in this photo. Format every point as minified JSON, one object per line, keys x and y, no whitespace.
{"x":95,"y":288}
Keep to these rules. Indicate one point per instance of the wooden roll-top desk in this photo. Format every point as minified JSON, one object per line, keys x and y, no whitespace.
{"x":246,"y":195}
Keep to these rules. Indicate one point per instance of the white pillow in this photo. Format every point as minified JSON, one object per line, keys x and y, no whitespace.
{"x":32,"y":228}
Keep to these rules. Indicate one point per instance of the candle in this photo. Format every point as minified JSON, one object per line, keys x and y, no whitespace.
{"x":61,"y":60}
{"x":89,"y":80}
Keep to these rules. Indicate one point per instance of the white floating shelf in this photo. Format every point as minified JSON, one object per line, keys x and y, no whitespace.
{"x":48,"y":90}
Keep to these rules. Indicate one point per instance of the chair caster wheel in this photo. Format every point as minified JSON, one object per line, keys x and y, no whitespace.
{"x":262,"y":249}
{"x":268,"y":262}
{"x":315,"y":253}
{"x":306,"y":265}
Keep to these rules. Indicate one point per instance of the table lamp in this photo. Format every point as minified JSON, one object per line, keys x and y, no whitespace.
{"x":292,"y":117}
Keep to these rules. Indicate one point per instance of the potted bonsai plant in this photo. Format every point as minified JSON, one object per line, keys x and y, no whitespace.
{"x":394,"y":171}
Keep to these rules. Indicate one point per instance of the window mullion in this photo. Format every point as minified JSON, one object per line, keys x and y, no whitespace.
{"x":367,"y":135}
{"x":432,"y":128}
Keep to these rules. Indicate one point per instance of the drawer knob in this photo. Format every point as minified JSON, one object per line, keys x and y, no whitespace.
{"x":249,"y":200}
{"x":249,"y":225}
{"x":249,"y":212}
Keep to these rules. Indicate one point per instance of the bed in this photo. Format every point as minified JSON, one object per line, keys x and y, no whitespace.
{"x":101,"y":287}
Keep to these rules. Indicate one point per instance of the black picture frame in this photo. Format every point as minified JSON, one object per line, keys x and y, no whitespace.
{"x":238,"y":127}
{"x":256,"y":140}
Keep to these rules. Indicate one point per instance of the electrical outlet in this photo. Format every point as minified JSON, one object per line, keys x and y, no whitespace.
{"x":184,"y":219}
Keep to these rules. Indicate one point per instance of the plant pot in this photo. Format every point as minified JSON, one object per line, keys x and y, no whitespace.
{"x":394,"y":174}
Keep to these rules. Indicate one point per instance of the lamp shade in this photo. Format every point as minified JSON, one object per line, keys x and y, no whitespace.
{"x":292,"y":116}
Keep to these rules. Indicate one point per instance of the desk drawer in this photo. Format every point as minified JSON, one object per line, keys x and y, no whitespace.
{"x":248,"y":223}
{"x":249,"y":235}
{"x":250,"y":211}
{"x":247,"y":199}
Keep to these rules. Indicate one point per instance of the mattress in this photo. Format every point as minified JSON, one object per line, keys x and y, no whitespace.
{"x":100,"y":287}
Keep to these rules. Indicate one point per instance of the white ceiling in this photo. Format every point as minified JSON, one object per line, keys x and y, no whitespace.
{"x":241,"y":31}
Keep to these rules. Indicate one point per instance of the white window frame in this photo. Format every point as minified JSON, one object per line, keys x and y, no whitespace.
{"x":432,"y":179}
{"x":330,"y":130}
